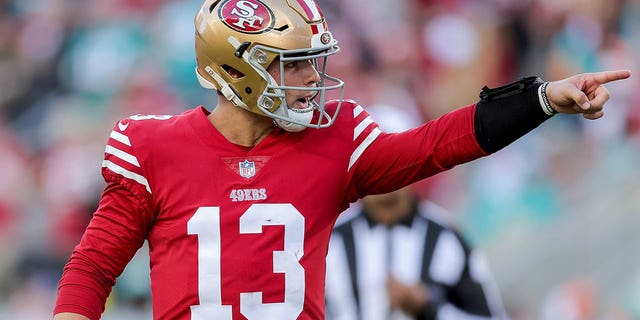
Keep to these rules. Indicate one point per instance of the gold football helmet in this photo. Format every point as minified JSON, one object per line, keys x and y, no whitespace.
{"x":237,"y":40}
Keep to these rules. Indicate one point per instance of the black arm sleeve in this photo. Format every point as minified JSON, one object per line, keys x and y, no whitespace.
{"x":507,"y":113}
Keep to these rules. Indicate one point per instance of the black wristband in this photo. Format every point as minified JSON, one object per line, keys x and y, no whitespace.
{"x":507,"y":113}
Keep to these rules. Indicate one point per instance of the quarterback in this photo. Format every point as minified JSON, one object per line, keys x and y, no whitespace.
{"x":238,"y":204}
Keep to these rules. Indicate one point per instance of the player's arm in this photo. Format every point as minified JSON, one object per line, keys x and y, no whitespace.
{"x":503,"y":115}
{"x":116,"y":231}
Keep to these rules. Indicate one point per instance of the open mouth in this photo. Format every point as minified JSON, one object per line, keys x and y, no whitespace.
{"x":302,"y":105}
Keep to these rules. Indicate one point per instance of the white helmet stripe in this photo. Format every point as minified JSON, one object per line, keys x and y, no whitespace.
{"x":311,"y":9}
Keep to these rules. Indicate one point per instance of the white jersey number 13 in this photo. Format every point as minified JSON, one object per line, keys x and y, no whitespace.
{"x":205,"y":223}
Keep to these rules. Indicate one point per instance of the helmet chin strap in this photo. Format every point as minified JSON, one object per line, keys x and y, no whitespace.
{"x":304,"y":117}
{"x":225,"y":88}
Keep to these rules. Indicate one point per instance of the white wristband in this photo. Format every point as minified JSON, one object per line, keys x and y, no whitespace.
{"x":544,"y":101}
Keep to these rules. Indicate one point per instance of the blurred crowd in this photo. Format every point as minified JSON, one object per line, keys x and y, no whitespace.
{"x":70,"y":68}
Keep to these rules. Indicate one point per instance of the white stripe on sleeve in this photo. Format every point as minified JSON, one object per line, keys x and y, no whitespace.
{"x":363,"y":146}
{"x":361,"y":126}
{"x":357,"y":111}
{"x":122,"y":155}
{"x":126,"y":173}
{"x":120,"y":137}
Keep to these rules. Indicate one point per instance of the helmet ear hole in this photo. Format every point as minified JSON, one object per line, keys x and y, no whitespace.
{"x":232,"y":72}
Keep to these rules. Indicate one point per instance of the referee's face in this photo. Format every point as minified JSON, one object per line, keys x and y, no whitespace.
{"x":389,"y":208}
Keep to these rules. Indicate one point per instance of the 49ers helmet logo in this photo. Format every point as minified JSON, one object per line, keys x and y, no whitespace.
{"x":247,"y":16}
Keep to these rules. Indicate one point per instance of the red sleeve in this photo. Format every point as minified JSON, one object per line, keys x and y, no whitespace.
{"x":116,"y":231}
{"x":395,"y":160}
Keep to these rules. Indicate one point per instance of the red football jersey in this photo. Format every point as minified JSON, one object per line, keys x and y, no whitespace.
{"x":237,"y":232}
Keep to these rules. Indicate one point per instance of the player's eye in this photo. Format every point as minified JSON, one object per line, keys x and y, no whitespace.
{"x":298,"y":63}
{"x":291,"y":64}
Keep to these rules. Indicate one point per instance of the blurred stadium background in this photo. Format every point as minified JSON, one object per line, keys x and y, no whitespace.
{"x":556,"y":213}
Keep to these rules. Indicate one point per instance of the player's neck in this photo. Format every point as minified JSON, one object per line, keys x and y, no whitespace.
{"x":240,"y":126}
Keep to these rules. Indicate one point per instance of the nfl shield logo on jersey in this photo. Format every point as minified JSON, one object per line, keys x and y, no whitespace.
{"x":247,"y":169}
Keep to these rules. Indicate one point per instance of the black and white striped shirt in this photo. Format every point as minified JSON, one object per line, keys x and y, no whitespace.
{"x":362,"y":253}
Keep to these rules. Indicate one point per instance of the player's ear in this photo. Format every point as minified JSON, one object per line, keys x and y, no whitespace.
{"x":233,"y":72}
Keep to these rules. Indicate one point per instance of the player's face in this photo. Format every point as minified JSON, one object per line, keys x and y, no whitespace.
{"x":300,"y":73}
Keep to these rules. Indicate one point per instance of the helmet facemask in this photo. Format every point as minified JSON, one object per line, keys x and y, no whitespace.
{"x":272,"y":101}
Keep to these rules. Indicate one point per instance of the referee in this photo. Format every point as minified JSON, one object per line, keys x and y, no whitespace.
{"x":394,"y":260}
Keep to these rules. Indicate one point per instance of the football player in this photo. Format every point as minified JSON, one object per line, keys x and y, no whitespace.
{"x":238,"y":204}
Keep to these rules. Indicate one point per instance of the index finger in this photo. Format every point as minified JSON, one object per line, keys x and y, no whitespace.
{"x":608,"y":76}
